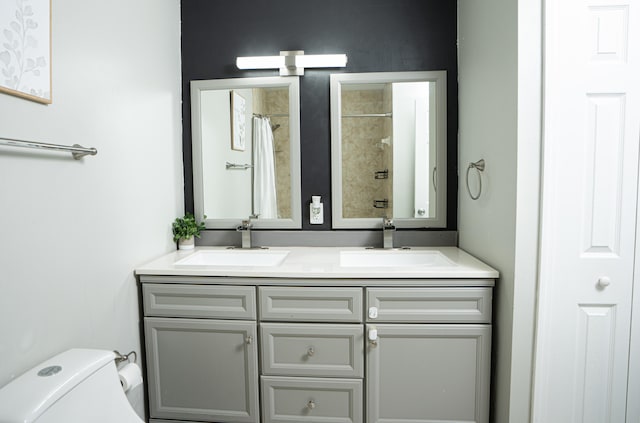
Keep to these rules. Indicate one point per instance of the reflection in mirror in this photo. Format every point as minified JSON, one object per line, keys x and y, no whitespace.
{"x":388,"y":149}
{"x":246,"y":151}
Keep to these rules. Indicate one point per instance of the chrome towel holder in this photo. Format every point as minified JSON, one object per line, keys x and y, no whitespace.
{"x":238,"y":166}
{"x":479,"y":167}
{"x":77,"y":151}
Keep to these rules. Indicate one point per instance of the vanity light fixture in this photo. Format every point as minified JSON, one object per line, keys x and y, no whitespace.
{"x":292,"y":62}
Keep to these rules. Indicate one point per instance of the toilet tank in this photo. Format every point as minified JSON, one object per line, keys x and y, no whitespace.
{"x":78,"y":385}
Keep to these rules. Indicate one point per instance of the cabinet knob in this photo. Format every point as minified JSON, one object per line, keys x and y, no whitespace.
{"x":249,"y":340}
{"x":604,"y":282}
{"x":311,"y":352}
{"x":311,"y":404}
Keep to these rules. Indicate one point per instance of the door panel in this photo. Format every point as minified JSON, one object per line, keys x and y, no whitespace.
{"x":204,"y":370}
{"x":591,"y":137}
{"x":422,"y":373}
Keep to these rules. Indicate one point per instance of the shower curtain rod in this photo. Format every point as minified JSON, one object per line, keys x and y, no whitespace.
{"x":77,"y":151}
{"x":271,"y":115}
{"x":368,"y":115}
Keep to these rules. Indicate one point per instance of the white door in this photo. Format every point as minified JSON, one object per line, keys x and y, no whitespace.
{"x":591,"y":137}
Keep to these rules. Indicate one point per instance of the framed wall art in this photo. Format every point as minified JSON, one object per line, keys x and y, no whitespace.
{"x":25,"y":49}
{"x":238,"y":121}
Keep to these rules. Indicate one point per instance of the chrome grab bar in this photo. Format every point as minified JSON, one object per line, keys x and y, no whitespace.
{"x":77,"y":151}
{"x":239,"y":166}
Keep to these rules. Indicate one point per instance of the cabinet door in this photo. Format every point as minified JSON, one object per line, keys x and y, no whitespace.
{"x":205,"y":370}
{"x":428,"y":373}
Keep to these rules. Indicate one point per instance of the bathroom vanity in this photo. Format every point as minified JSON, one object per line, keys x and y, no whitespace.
{"x":321,"y":334}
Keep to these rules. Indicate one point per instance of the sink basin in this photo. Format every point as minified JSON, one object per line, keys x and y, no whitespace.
{"x":244,"y":258}
{"x":393,"y":258}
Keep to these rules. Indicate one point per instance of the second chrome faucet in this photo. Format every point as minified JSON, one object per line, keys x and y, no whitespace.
{"x":245,"y":229}
{"x":388,"y":229}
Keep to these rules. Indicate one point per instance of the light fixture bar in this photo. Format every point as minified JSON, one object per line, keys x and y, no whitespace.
{"x":292,"y":62}
{"x":260,"y":62}
{"x":322,"y":61}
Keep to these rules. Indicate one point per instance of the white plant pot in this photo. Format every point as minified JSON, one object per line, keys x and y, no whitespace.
{"x":186,"y":243}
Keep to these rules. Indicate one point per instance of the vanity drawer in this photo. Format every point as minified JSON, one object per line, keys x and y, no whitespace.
{"x":429,"y":305}
{"x":310,"y":304}
{"x":204,"y":301}
{"x":317,"y":400}
{"x":327,"y":350}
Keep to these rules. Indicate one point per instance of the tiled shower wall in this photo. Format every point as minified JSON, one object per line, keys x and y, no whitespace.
{"x":366,"y":149}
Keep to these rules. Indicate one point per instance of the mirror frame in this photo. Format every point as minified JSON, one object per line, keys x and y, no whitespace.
{"x":440,"y":80}
{"x":293,"y":84}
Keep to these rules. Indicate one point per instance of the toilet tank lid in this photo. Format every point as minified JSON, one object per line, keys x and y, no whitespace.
{"x":25,"y":398}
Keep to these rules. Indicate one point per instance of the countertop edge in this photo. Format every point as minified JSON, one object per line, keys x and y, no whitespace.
{"x":323,"y":263}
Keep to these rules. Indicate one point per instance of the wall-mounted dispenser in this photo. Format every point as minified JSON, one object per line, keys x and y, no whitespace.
{"x":316,"y":211}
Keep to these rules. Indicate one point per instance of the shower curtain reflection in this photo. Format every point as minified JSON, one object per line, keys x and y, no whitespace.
{"x":265,"y":203}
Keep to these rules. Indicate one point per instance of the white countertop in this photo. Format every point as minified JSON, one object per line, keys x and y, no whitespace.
{"x":324,"y":262}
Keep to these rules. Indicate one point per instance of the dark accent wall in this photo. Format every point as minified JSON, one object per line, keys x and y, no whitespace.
{"x":376,"y":35}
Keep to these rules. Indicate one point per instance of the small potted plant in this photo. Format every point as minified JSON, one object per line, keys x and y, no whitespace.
{"x":185,"y":229}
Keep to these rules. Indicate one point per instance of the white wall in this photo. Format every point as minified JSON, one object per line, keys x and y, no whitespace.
{"x":499,"y":103}
{"x":220,"y":184}
{"x":74,"y":231}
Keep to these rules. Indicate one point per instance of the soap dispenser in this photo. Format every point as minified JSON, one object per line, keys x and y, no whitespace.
{"x":316,"y":211}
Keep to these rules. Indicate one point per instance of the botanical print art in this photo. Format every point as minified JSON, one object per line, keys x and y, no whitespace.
{"x":238,"y":121}
{"x":25,"y":49}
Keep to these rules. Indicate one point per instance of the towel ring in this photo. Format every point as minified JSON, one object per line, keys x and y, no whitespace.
{"x":479,"y":167}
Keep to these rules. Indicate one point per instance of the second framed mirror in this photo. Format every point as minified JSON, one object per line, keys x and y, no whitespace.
{"x":388,"y":149}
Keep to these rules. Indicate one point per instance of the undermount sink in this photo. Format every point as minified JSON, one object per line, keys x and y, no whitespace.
{"x":234,"y":257}
{"x":392,"y":258}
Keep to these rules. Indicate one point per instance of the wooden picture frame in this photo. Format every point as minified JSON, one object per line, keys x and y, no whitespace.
{"x":25,"y":49}
{"x":238,"y":122}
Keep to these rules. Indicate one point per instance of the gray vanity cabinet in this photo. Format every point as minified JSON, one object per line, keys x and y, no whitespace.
{"x":428,"y":355}
{"x":201,"y":367}
{"x":274,"y":350}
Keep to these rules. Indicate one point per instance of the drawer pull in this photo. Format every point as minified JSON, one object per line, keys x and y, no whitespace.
{"x":249,"y":340}
{"x":311,"y":404}
{"x":311,"y":352}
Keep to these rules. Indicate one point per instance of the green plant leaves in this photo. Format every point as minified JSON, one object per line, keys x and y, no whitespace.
{"x":186,"y":227}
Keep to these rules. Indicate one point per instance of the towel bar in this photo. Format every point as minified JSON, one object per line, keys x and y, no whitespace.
{"x":77,"y":151}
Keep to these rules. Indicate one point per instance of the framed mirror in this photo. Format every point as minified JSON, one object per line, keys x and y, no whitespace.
{"x":246,"y":151}
{"x":389,"y":149}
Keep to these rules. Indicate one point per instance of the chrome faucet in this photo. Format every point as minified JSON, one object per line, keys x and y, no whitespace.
{"x":388,"y":228}
{"x":245,"y":229}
